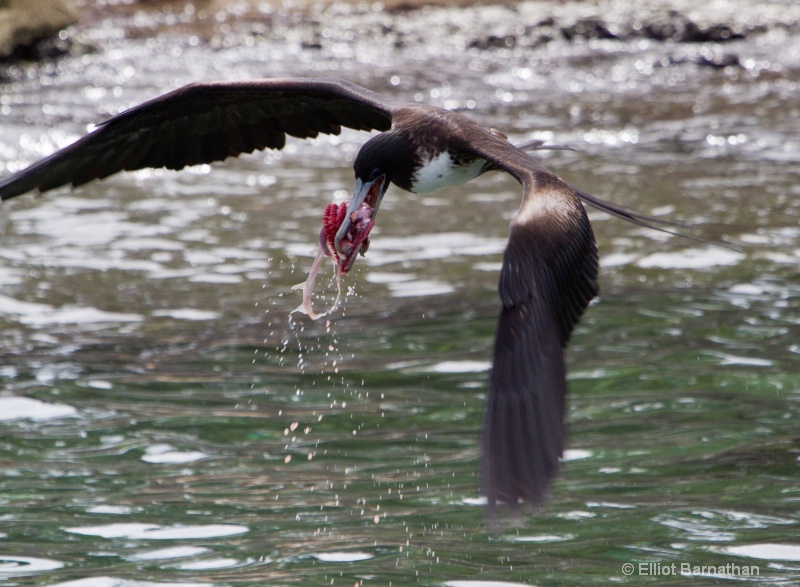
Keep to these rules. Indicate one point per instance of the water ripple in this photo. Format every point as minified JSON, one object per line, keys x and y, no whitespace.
{"x":166,"y":453}
{"x":719,"y":525}
{"x":169,"y":553}
{"x":117,"y":582}
{"x":484,"y":584}
{"x":342,"y":557}
{"x":140,"y":531}
{"x":772,"y":552}
{"x":26,"y":408}
{"x":691,"y":259}
{"x":23,"y":565}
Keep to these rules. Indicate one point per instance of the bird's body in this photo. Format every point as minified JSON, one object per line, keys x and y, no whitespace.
{"x":549,"y":268}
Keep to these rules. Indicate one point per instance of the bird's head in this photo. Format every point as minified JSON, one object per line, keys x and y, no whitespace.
{"x":383,"y":159}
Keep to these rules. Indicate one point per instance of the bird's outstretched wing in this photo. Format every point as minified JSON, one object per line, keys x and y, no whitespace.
{"x":206,"y":122}
{"x":548,"y":278}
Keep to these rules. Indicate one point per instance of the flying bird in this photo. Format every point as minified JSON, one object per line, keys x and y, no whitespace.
{"x":550,"y":265}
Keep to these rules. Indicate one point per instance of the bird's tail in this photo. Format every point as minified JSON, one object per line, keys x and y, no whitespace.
{"x":617,"y":210}
{"x":644,"y":220}
{"x":540,"y":145}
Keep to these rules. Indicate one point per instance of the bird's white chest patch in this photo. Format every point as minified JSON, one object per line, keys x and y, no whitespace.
{"x":441,"y":171}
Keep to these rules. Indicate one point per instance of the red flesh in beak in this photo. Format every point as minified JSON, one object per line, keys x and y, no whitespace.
{"x":342,"y":238}
{"x":355,"y":240}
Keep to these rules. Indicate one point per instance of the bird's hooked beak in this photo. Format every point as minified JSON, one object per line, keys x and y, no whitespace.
{"x":353,"y":234}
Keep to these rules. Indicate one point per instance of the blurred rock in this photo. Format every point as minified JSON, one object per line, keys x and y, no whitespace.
{"x":587,"y":28}
{"x":672,"y":25}
{"x":29,"y":28}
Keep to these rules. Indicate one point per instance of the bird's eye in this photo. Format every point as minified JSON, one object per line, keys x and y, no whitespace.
{"x":376,"y":173}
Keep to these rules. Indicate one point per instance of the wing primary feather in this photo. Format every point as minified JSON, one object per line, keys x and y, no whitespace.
{"x":532,"y":464}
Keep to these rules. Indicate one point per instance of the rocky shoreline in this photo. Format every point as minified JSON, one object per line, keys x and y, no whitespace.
{"x":35,"y":29}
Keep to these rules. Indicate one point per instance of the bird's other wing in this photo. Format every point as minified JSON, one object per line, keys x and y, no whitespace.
{"x":548,"y":278}
{"x":206,"y":122}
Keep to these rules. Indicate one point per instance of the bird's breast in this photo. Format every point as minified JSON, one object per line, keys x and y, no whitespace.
{"x":441,"y":170}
